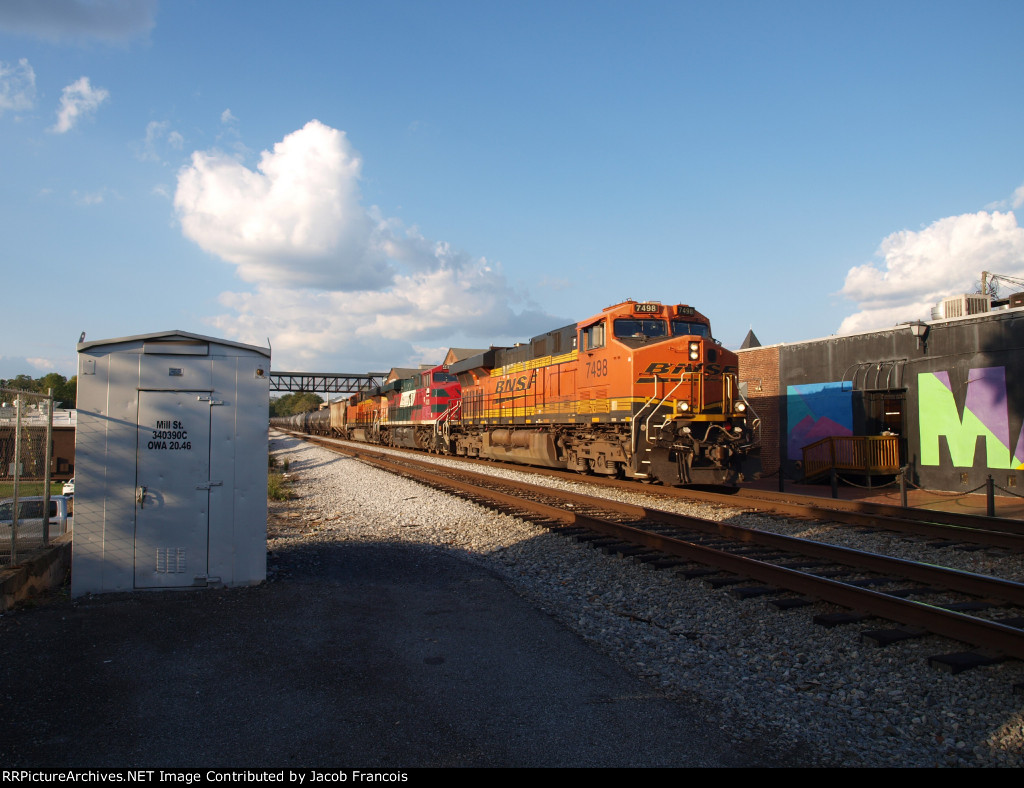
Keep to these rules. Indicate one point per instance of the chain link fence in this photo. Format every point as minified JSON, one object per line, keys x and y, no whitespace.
{"x":26,"y":457}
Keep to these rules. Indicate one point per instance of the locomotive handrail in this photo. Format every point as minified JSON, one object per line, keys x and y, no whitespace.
{"x":634,"y":443}
{"x":755,"y":420}
{"x":647,"y":424}
{"x":442,"y":424}
{"x":633,"y":436}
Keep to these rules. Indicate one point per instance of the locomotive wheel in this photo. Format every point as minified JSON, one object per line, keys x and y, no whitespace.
{"x":574,"y":463}
{"x":603,"y":467}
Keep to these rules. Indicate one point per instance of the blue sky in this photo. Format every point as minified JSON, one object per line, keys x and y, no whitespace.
{"x":367,"y":184}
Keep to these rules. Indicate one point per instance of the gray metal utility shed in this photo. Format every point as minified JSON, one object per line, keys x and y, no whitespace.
{"x":170,"y":463}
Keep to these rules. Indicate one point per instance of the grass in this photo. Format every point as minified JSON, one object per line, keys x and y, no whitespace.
{"x":277,"y":487}
{"x":28,"y":488}
{"x":277,"y":484}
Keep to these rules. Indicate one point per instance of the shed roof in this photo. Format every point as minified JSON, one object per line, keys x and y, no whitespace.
{"x":172,"y":335}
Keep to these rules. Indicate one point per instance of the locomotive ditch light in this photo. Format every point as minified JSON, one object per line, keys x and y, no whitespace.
{"x":684,"y":406}
{"x":741,"y":407}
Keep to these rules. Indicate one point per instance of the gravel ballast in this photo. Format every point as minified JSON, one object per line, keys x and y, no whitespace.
{"x":770,"y":677}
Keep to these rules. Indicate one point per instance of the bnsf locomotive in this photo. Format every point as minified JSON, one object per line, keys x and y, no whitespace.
{"x":640,"y":390}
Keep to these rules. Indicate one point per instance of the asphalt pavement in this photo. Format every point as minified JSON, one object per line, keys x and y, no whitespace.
{"x":357,"y":655}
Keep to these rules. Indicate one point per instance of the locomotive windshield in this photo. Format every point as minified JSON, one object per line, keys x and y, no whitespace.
{"x":444,"y":377}
{"x":681,"y":328}
{"x":637,"y":328}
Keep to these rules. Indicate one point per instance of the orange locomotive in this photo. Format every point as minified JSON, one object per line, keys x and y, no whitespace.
{"x":404,"y":412}
{"x":640,"y":389}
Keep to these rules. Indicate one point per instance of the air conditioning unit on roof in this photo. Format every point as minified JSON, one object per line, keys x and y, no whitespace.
{"x":964,"y":305}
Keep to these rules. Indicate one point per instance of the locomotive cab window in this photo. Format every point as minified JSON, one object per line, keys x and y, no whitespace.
{"x":683,"y":328}
{"x":640,"y":328}
{"x":592,"y":337}
{"x":444,"y":377}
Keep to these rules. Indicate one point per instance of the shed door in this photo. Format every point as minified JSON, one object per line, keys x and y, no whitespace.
{"x":172,"y":489}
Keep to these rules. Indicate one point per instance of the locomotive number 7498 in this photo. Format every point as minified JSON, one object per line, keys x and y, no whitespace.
{"x":598,"y":368}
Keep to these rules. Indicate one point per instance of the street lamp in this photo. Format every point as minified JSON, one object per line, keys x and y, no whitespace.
{"x":920,"y":330}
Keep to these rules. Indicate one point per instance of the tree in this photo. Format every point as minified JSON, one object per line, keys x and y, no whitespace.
{"x":64,"y":391}
{"x":299,"y":402}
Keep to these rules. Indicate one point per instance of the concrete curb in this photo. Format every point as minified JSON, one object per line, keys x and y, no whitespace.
{"x":44,"y":569}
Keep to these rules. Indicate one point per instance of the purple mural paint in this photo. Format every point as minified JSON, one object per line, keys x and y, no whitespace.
{"x":986,"y":399}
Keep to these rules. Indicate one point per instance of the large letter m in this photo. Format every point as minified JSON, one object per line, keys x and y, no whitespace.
{"x":986,"y":415}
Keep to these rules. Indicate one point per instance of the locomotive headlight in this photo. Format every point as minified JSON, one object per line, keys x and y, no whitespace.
{"x":741,"y":407}
{"x":695,"y":350}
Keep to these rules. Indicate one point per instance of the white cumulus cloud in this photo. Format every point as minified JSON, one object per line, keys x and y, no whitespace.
{"x":321,"y":330}
{"x":335,"y":282}
{"x":1014,"y":201}
{"x":77,"y":100}
{"x":45,"y":364}
{"x":296,"y":220}
{"x":923,"y":267}
{"x":17,"y":86}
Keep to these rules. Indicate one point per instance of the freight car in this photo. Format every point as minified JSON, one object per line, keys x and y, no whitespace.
{"x":640,"y":390}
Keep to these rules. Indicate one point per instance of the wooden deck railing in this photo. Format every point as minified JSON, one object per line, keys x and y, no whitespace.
{"x":872,"y":456}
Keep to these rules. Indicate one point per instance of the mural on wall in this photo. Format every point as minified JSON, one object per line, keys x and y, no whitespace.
{"x":815,"y":411}
{"x":985,"y":414}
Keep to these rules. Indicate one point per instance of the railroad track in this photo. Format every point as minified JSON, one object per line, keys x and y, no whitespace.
{"x":980,"y":610}
{"x":951,"y":529}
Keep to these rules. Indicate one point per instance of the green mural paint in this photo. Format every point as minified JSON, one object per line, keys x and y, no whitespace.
{"x":939,"y":417}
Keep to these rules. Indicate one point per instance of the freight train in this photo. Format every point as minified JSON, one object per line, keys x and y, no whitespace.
{"x":640,"y":390}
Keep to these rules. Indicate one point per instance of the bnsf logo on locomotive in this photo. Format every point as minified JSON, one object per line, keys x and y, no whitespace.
{"x":521,"y":383}
{"x":657,"y":368}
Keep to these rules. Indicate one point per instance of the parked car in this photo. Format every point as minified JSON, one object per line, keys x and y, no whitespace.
{"x":69,"y":487}
{"x":30,"y":519}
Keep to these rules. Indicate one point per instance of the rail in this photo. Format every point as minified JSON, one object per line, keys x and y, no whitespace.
{"x":870,"y":455}
{"x":571,"y":509}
